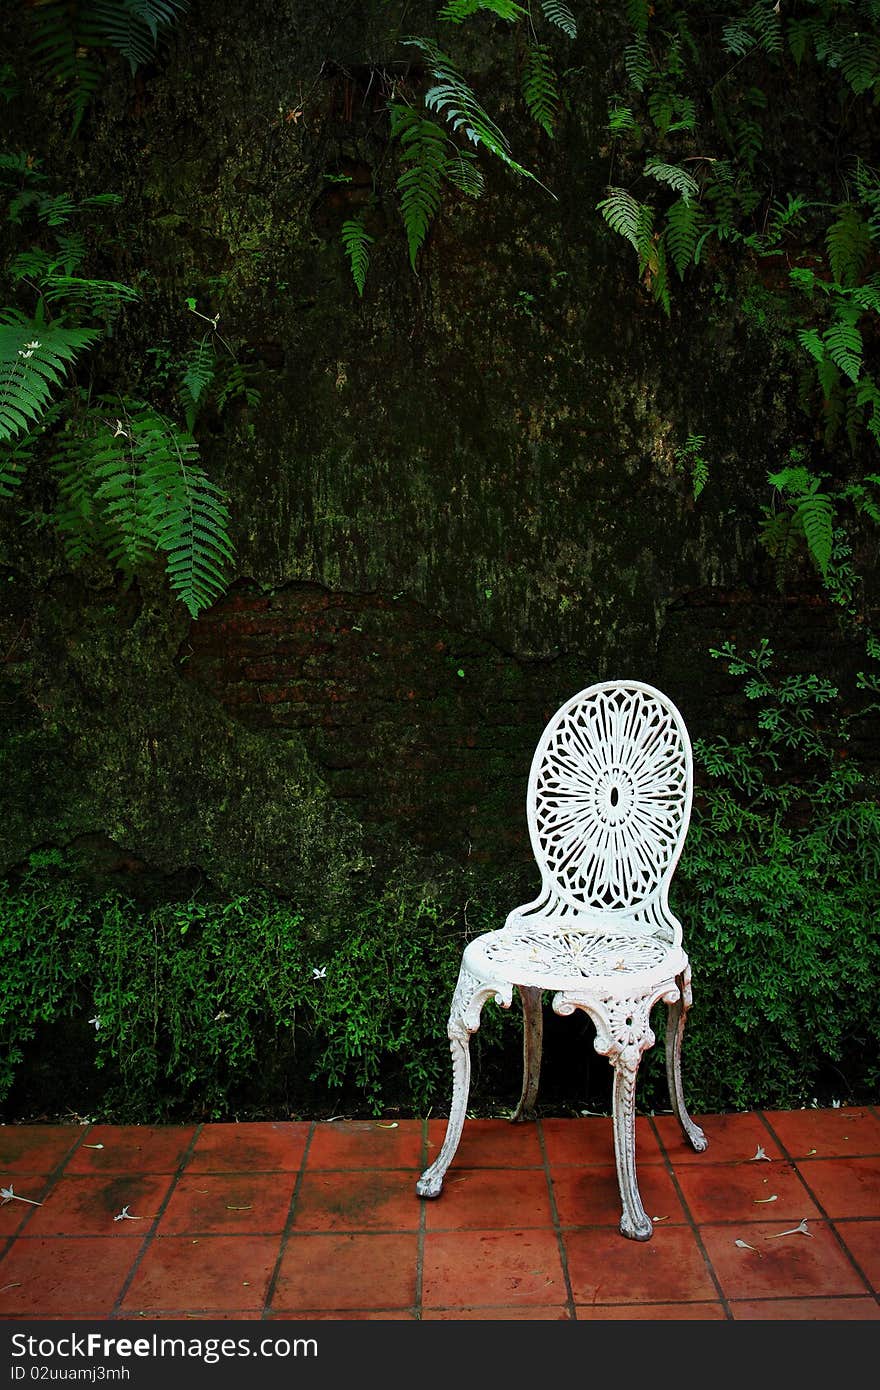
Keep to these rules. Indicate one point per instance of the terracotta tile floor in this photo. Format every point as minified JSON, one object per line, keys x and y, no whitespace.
{"x":321,"y":1220}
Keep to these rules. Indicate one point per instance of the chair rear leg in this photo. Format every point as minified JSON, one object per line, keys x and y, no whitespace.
{"x":533,"y":1037}
{"x":464,"y":1019}
{"x":675,"y":1022}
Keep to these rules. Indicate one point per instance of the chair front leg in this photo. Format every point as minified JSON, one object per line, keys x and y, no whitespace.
{"x":533,"y":1036}
{"x":464,"y":1019}
{"x":634,"y":1221}
{"x":678,"y":1009}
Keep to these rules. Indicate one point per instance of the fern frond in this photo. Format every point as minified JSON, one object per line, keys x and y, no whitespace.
{"x":133,"y":27}
{"x":816,"y":515}
{"x":65,"y":42}
{"x":560,"y":15}
{"x":199,"y":369}
{"x":684,"y":183}
{"x":638,"y":13}
{"x":423,"y":150}
{"x":624,"y":214}
{"x":848,"y":240}
{"x":464,"y":173}
{"x":188,"y":514}
{"x":539,"y":87}
{"x":238,"y":386}
{"x":684,"y":220}
{"x":860,"y":62}
{"x":457,"y":10}
{"x":34,"y":360}
{"x":453,"y":99}
{"x":101,"y":298}
{"x":637,"y":62}
{"x":844,"y":343}
{"x":356,"y":241}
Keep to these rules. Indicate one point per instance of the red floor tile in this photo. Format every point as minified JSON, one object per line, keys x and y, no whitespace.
{"x":228,"y":1204}
{"x":366,"y":1272}
{"x":131,"y":1149}
{"x":591,"y":1196}
{"x":490,"y":1144}
{"x":87,"y":1206}
{"x":485,"y":1199}
{"x":250,"y":1148}
{"x":203,"y":1273}
{"x":74,"y":1276}
{"x":14,"y":1213}
{"x":807,"y":1310}
{"x":356,"y":1315}
{"x":830,"y":1133}
{"x":477,"y":1269}
{"x":862,"y":1239}
{"x":740,"y":1192}
{"x":366,"y":1144}
{"x":605,"y":1267}
{"x":651,"y":1312}
{"x":377,"y":1199}
{"x":591,"y":1140}
{"x":527,"y":1314}
{"x":797,"y":1265}
{"x":35,"y":1148}
{"x":731,"y":1138}
{"x":844,"y":1186}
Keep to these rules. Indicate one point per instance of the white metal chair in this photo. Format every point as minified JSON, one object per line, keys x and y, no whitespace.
{"x":609,"y":802}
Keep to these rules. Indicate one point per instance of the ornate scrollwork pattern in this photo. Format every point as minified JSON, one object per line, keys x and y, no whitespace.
{"x":610,"y":796}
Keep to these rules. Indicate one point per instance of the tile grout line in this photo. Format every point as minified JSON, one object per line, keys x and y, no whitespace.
{"x":288,"y":1226}
{"x":694,"y":1225}
{"x":830,"y":1220}
{"x":423,"y":1227}
{"x":52,"y":1177}
{"x":557,"y":1225}
{"x":115,"y":1309}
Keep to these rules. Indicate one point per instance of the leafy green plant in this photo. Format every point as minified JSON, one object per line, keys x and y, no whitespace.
{"x":779,"y":886}
{"x":72,"y":37}
{"x":130,"y":482}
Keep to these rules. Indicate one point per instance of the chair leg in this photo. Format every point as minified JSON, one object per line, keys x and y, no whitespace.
{"x":464,"y":1019}
{"x":533,"y":1037}
{"x":634,"y":1221}
{"x":674,"y":1032}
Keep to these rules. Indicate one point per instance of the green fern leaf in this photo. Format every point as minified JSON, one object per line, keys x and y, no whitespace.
{"x":624,"y":215}
{"x":356,"y":241}
{"x":423,"y":150}
{"x":199,"y":369}
{"x":637,"y":62}
{"x":464,"y":173}
{"x":34,"y":360}
{"x":684,"y":183}
{"x":560,"y":15}
{"x":453,"y":99}
{"x":848,"y":240}
{"x":844,"y":343}
{"x":539,"y":87}
{"x":457,"y":10}
{"x":811,"y":340}
{"x":682,"y":233}
{"x":189,"y":515}
{"x":815,"y":513}
{"x":860,"y":62}
{"x":638,"y":12}
{"x":133,"y":27}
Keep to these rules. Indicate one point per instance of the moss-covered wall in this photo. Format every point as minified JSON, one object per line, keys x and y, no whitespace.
{"x":456,"y":503}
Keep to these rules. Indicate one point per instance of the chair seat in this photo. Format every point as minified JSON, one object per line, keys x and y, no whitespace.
{"x":564,"y":957}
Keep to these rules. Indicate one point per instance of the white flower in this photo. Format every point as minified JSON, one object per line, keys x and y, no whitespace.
{"x":319,"y":974}
{"x":97,"y":1021}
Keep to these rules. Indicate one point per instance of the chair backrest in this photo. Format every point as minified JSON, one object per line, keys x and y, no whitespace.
{"x":609,"y":797}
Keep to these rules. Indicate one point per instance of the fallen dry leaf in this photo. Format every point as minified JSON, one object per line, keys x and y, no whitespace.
{"x":774,"y":1198}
